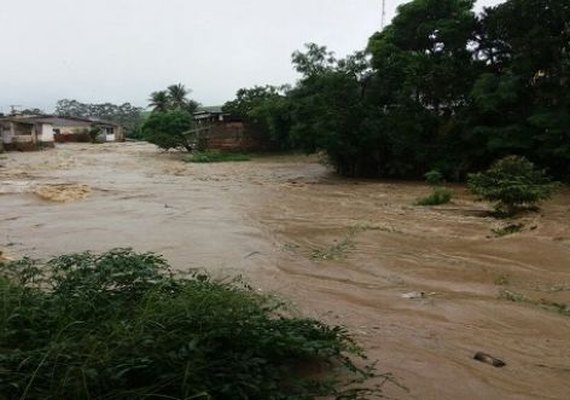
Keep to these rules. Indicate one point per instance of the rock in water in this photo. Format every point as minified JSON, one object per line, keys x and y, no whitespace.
{"x":487,"y":359}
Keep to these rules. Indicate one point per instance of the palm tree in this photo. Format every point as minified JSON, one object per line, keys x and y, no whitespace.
{"x":159,"y":101}
{"x":177,"y":95}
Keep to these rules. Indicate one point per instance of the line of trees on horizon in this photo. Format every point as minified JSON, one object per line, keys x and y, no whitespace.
{"x":440,"y":88}
{"x":126,"y":114}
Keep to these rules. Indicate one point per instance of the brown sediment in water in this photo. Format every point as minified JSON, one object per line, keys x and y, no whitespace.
{"x":4,"y":256}
{"x":420,"y":287}
{"x":63,"y":192}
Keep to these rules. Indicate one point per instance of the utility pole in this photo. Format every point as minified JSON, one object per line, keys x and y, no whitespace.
{"x":383,"y":14}
{"x":14,"y":109}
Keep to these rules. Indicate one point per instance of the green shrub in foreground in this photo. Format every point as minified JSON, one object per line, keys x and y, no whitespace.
{"x":438,"y":196}
{"x":120,"y":325}
{"x":512,"y":183}
{"x":211,"y":156}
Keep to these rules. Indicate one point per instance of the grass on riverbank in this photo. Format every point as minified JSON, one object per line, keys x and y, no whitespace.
{"x":120,"y":325}
{"x":438,"y":196}
{"x":213,"y":156}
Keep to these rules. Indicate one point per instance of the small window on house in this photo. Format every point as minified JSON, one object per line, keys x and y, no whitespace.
{"x":110,"y":131}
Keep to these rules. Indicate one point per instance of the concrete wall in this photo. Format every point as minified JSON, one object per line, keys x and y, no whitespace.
{"x":46,"y":134}
{"x":7,"y":132}
{"x":114,"y":134}
{"x":72,"y":137}
{"x":73,"y":130}
{"x":25,"y":137}
{"x":16,"y":137}
{"x":233,"y":136}
{"x":17,"y":133}
{"x":119,"y":134}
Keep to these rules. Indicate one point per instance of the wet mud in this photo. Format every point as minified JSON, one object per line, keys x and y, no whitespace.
{"x":424,"y":289}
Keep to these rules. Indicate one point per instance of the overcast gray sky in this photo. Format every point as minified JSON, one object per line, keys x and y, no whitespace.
{"x":121,"y":50}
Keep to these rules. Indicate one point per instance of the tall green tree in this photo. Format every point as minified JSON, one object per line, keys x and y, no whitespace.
{"x":177,"y":94}
{"x":523,"y":99}
{"x":159,"y":101}
{"x":169,"y":130}
{"x":175,"y":97}
{"x":329,"y":110}
{"x":423,"y":74}
{"x":178,"y":98}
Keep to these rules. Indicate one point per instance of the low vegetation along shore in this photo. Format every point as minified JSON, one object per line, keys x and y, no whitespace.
{"x":122,"y":325}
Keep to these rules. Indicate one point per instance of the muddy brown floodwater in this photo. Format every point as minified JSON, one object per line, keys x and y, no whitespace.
{"x":419,"y":287}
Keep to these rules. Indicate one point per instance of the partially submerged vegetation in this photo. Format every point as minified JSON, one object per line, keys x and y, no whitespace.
{"x":121,"y":325}
{"x":439,"y":195}
{"x":563,"y":309}
{"x":212,"y":156}
{"x":336,"y":250}
{"x":508,"y":229}
{"x":512,"y":184}
{"x":340,"y":248}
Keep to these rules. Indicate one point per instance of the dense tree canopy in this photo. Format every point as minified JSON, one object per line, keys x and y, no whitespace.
{"x":169,"y":129}
{"x":440,"y":88}
{"x":265,"y":110}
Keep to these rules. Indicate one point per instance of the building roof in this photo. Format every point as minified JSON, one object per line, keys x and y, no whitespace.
{"x":210,"y":109}
{"x":18,"y":120}
{"x":56,"y":120}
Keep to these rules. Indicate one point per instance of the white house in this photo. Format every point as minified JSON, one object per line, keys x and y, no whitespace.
{"x":31,"y":132}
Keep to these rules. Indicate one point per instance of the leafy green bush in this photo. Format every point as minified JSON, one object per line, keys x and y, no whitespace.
{"x":169,"y":129}
{"x":211,"y":156}
{"x":120,"y":325}
{"x":438,"y":196}
{"x":512,"y":183}
{"x":434,"y":178}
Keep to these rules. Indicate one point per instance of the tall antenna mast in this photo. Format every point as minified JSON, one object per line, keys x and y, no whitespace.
{"x":383,"y":14}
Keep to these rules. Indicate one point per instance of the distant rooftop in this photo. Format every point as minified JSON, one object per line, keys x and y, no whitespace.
{"x":58,"y":120}
{"x":210,"y":109}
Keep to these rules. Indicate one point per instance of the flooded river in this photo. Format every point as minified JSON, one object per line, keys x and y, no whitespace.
{"x":423,"y":289}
